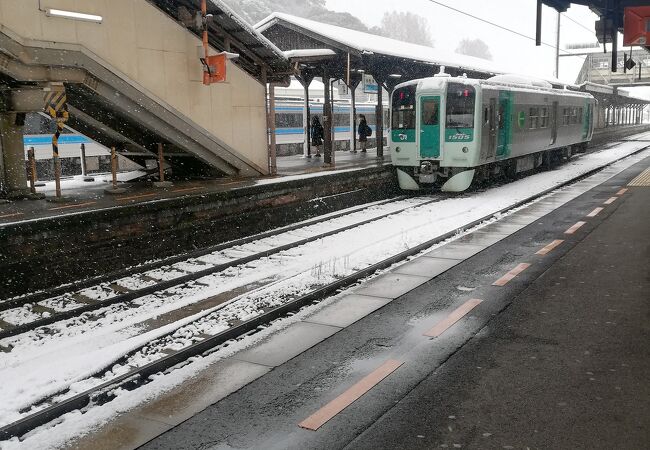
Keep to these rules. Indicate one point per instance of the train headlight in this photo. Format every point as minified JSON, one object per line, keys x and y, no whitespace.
{"x":465,"y":149}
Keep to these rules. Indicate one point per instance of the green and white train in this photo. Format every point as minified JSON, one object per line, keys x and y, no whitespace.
{"x":447,"y":132}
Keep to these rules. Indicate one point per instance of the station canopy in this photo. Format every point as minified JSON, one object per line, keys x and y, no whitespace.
{"x":389,"y":61}
{"x":608,"y":95}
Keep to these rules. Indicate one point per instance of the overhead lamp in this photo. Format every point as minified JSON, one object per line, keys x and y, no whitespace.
{"x":395,"y":75}
{"x":73,"y":15}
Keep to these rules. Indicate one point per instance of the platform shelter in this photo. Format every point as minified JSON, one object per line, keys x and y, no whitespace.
{"x":329,"y":52}
{"x":616,"y":107}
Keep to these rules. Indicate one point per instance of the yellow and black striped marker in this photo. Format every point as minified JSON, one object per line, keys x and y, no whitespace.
{"x":56,"y":106}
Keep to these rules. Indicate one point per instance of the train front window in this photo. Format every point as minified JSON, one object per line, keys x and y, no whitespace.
{"x":429,"y":112}
{"x":404,"y":108}
{"x":460,"y":106}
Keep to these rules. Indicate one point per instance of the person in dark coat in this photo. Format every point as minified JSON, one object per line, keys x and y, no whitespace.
{"x":364,"y":131}
{"x":316,"y":135}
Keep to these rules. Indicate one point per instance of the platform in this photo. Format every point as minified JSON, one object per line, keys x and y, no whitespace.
{"x":530,"y":332}
{"x":87,"y":196}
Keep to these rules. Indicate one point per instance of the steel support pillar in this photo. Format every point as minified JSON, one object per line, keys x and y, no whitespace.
{"x":332,"y":112}
{"x":379,"y":121}
{"x":306,"y":124}
{"x":354,"y":82}
{"x":84,"y":167}
{"x":305,"y":80}
{"x":273,"y":167}
{"x":327,"y":121}
{"x":13,"y":173}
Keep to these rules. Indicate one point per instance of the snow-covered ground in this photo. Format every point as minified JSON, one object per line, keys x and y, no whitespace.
{"x":100,"y":179}
{"x":41,"y":364}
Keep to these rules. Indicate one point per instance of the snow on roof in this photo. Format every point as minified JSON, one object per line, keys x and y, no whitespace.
{"x":309,"y":52}
{"x":520,"y":79}
{"x":248,"y":29}
{"x":600,"y":88}
{"x":371,"y":43}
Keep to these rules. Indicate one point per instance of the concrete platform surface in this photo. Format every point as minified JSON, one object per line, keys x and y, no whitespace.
{"x":79,"y":196}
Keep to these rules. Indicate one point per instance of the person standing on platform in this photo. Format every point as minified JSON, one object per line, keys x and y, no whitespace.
{"x":364,"y":131}
{"x":316,"y":135}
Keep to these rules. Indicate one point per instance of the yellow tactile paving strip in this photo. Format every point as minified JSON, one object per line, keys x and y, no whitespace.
{"x":643,"y":179}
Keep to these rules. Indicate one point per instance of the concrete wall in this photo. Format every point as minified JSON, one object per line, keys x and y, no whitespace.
{"x":151,"y":51}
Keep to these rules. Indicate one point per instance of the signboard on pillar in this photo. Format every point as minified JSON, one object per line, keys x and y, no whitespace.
{"x":342,"y":87}
{"x":369,"y":84}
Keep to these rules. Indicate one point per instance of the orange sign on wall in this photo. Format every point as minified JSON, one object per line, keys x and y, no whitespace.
{"x":214,"y":69}
{"x":636,"y":26}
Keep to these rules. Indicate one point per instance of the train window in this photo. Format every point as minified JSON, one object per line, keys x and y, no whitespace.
{"x":580,"y":113}
{"x":371,"y":119}
{"x":404,"y":108}
{"x":574,"y":115}
{"x":566,"y":116}
{"x":288,"y":120}
{"x":341,"y":119}
{"x":486,"y":116}
{"x":543,"y":118}
{"x":533,"y":115}
{"x":460,"y":105}
{"x":430,"y":112}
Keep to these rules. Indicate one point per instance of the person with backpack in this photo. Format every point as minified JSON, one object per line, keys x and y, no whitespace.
{"x":364,"y":132}
{"x":316,"y":135}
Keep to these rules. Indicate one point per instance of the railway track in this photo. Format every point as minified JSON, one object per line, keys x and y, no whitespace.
{"x":205,"y":339}
{"x":38,"y":296}
{"x":42,"y":309}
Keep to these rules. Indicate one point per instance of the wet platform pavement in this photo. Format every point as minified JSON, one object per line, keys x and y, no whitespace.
{"x":529,"y":333}
{"x":78,"y":195}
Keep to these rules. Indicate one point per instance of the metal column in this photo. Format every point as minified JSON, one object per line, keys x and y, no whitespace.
{"x":379,"y":119}
{"x":306,"y":123}
{"x":354,"y":83}
{"x":327,"y":121}
{"x":84,"y":168}
{"x":273,"y":168}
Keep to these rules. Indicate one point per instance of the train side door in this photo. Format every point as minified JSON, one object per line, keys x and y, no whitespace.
{"x":429,"y":124}
{"x":493,"y":125}
{"x":505,"y":125}
{"x":554,"y":123}
{"x":586,"y":122}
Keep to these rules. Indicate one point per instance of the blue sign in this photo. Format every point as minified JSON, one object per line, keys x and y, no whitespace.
{"x":369,"y":85}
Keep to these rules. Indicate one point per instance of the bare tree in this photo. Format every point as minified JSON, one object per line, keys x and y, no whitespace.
{"x":474,"y":47}
{"x":405,"y":26}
